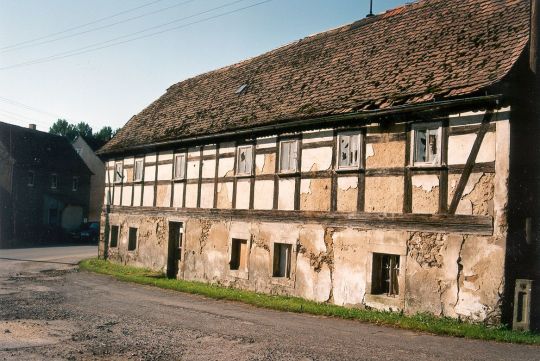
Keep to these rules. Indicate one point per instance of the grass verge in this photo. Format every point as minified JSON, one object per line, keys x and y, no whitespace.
{"x":418,"y":322}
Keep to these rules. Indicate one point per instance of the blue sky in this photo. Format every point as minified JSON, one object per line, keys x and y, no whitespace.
{"x":108,"y":86}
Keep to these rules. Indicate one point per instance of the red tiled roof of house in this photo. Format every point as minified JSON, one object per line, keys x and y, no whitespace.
{"x":431,"y":49}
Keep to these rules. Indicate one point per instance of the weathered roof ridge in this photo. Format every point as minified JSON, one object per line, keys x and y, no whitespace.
{"x":419,"y":52}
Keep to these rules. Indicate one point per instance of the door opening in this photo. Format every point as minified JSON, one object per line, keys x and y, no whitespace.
{"x":176,"y":230}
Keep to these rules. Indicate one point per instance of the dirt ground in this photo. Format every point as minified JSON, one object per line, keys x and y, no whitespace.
{"x":54,"y":312}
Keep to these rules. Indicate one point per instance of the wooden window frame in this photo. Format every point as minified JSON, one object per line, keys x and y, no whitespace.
{"x":250,"y":163}
{"x":437,"y":161}
{"x":182,"y":176}
{"x":135,"y":168}
{"x":118,"y":175}
{"x":276,"y":258}
{"x":296,"y":145}
{"x":357,"y":134}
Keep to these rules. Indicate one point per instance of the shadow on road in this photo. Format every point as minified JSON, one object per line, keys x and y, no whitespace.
{"x":37,"y":261}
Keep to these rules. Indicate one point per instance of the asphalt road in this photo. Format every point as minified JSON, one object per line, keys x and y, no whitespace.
{"x":50,"y":311}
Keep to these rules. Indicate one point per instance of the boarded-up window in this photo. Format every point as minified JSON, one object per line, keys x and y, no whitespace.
{"x":238,"y":254}
{"x":115,"y":230}
{"x":132,"y":239}
{"x":54,"y":181}
{"x":244,"y":163}
{"x":118,"y":169}
{"x":349,"y":150}
{"x":427,"y":144}
{"x":288,"y":156}
{"x":179,"y":166}
{"x":75,"y":184}
{"x":138,"y":171}
{"x":385,"y":273}
{"x":282,"y":260}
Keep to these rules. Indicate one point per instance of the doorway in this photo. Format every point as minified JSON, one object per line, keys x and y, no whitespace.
{"x":176,"y":231}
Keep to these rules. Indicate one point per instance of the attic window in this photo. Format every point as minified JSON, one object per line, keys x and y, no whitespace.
{"x":242,"y":89}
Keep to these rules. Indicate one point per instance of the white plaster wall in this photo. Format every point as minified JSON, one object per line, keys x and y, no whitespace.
{"x":117,"y":191}
{"x":150,"y":173}
{"x":267,"y":142}
{"x":150,"y":157}
{"x":243,"y":187}
{"x":137,"y":190}
{"x":226,"y":167}
{"x":227,"y":147}
{"x":148,"y":196}
{"x":207,"y":195}
{"x":209,"y":168}
{"x":316,"y":159}
{"x":192,"y":169}
{"x":128,"y":161}
{"x":345,"y":183}
{"x":317,"y":136}
{"x":178,"y":194}
{"x":165,"y":155}
{"x":425,"y":181}
{"x":459,"y":148}
{"x":263,"y":194}
{"x":126,"y":196}
{"x":191,"y":195}
{"x":286,"y":194}
{"x":164,"y":172}
{"x":209,"y":149}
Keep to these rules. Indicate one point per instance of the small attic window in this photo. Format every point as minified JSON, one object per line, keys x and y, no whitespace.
{"x":242,"y":89}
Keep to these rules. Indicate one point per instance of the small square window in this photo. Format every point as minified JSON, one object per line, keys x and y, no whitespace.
{"x":238,"y":254}
{"x":427,"y":144}
{"x":385,"y":274}
{"x":282,"y":260}
{"x":54,"y":181}
{"x":138,"y":171}
{"x":132,"y":239}
{"x":244,"y":163}
{"x":118,"y":170}
{"x":31,"y":178}
{"x":179,"y":166}
{"x":75,"y":184}
{"x":115,"y":231}
{"x":349,"y":150}
{"x":288,"y":156}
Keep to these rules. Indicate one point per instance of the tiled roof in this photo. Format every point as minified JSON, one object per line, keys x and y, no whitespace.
{"x":33,"y":149}
{"x":431,"y":49}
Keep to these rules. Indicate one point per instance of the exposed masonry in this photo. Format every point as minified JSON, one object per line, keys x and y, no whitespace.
{"x":454,"y":269}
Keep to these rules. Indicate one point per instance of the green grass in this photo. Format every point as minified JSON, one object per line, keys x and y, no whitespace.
{"x":418,"y":322}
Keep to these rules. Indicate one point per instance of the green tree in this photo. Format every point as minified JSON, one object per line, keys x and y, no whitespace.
{"x":64,"y":128}
{"x":71,"y":131}
{"x":84,"y":129}
{"x":105,"y":134}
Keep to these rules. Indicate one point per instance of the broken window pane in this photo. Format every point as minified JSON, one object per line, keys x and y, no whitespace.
{"x":245,"y":159}
{"x":426,"y":145}
{"x":118,"y":169}
{"x":349,"y":150}
{"x":282,"y":260}
{"x":385,"y":273}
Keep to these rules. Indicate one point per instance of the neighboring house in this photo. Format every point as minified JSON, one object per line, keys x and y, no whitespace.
{"x":389,"y":163}
{"x":44,"y":186}
{"x":86,"y":149}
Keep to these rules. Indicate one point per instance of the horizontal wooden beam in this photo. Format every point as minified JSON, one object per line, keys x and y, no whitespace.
{"x":440,"y":223}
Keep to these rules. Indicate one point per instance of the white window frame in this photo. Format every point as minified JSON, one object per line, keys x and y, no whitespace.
{"x":183,"y":164}
{"x":238,"y":150}
{"x":31,"y":182}
{"x":353,"y":135}
{"x":118,"y":175}
{"x":293,"y":169}
{"x":75,"y":183}
{"x":54,"y":184}
{"x":135,"y":168}
{"x":426,"y":126}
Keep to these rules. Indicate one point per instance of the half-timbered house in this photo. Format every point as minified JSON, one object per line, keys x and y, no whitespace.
{"x":390,"y":163}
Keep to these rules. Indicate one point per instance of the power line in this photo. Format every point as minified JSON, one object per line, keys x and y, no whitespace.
{"x":14,"y":48}
{"x":28,"y":107}
{"x":81,"y":26}
{"x":21,"y":118}
{"x":96,"y":46}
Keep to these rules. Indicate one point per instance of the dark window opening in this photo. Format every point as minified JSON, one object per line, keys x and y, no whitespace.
{"x":54,"y":181}
{"x":282,"y":260}
{"x":132,"y":239}
{"x":385,"y":273}
{"x":238,"y":254}
{"x":31,"y":178}
{"x":115,"y":230}
{"x":75,"y":184}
